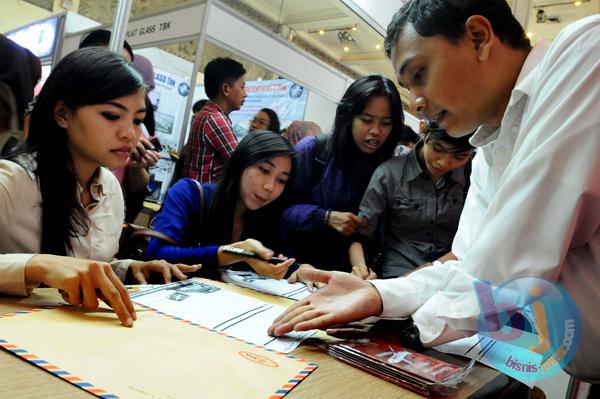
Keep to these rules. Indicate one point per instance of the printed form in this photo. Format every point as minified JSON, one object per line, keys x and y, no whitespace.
{"x":221,"y":310}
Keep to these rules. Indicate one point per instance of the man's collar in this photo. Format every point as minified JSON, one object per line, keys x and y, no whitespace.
{"x":210,"y":104}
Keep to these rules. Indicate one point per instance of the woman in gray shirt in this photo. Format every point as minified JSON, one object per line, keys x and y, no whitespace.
{"x":415,"y":199}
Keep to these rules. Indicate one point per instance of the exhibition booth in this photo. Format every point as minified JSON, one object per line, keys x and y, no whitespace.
{"x":302,"y":87}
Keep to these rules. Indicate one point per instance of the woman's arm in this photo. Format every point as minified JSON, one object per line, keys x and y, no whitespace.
{"x":358,"y":262}
{"x":180,"y":210}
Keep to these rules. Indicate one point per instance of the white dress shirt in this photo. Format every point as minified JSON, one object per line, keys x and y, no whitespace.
{"x":21,"y":224}
{"x":533,"y":208}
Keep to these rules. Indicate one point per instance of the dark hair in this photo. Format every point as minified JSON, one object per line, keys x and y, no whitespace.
{"x":101,"y":38}
{"x":84,"y":77}
{"x":219,"y":71}
{"x":448,"y":18}
{"x":459,"y":144}
{"x":409,"y":136}
{"x":273,"y":120}
{"x":198,"y":105}
{"x":353,"y":103}
{"x":254,"y":148}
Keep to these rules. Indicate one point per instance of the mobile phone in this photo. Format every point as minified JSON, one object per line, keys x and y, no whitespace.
{"x":249,"y":254}
{"x":156,"y":143}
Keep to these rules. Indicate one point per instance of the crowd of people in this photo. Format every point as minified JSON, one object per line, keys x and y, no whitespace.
{"x":500,"y":182}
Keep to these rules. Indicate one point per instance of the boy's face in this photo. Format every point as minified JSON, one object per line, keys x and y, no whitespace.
{"x":445,"y":80}
{"x":236,"y":93}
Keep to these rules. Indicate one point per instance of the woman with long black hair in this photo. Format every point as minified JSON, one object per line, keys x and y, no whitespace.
{"x":61,"y":210}
{"x":333,"y":173}
{"x":243,"y":209}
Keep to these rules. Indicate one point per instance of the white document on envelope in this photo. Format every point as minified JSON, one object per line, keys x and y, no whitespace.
{"x":221,"y":310}
{"x":271,"y":286}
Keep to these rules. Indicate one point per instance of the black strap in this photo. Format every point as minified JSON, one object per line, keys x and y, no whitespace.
{"x":321,"y":153}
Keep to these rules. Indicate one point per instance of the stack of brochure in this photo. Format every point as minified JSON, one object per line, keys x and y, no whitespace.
{"x":415,"y":371}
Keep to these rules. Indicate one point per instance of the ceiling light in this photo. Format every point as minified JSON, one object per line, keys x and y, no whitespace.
{"x":529,"y":34}
{"x":354,"y":27}
{"x":321,"y":32}
{"x":346,"y":49}
{"x":378,"y":46}
{"x":577,"y":3}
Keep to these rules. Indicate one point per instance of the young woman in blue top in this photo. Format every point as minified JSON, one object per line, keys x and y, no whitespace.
{"x":367,"y":127}
{"x":243,"y":209}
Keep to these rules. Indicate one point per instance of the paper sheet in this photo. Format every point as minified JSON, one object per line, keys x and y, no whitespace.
{"x":492,"y":352}
{"x":221,"y":310}
{"x":159,"y":357}
{"x":260,"y":283}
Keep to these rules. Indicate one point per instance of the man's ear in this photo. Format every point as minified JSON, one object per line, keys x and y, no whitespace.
{"x":225,"y":89}
{"x":480,"y":32}
{"x":61,"y":114}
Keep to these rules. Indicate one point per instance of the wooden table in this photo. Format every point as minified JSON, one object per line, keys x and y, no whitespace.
{"x":332,"y":379}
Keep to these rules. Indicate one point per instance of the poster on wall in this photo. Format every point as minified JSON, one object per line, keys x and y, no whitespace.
{"x":286,"y":98}
{"x":168,"y":102}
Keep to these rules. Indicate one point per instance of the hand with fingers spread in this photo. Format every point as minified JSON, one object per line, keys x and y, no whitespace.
{"x":82,"y":282}
{"x":310,"y":285}
{"x":344,"y":299}
{"x":345,"y":223}
{"x":260,"y":266}
{"x":141,"y":270}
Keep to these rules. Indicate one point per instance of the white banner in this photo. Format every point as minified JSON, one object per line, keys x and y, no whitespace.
{"x":286,"y":98}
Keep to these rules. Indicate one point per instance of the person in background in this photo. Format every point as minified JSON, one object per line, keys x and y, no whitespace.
{"x":266,"y":119}
{"x":408,"y":140}
{"x":532,"y":208}
{"x":319,"y":226}
{"x":101,"y":38}
{"x":198,"y":105}
{"x":417,"y":198}
{"x":61,"y":211}
{"x":20,"y":70}
{"x":146,"y":69}
{"x":212,"y":139}
{"x":297,"y":130}
{"x":133,"y":176}
{"x":244,"y":209}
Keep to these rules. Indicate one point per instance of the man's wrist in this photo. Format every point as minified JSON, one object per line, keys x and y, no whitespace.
{"x":376,"y":299}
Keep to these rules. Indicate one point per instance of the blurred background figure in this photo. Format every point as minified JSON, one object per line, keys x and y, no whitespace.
{"x":197,"y":107}
{"x":266,"y":119}
{"x":20,"y":70}
{"x":145,"y":68}
{"x":297,"y":130}
{"x":408,"y":140}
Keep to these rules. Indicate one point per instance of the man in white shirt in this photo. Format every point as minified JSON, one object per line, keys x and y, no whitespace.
{"x":533,"y":208}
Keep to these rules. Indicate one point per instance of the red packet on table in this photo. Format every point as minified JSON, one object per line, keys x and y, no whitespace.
{"x":394,"y":363}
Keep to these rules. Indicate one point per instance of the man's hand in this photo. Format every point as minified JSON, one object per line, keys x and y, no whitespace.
{"x":345,"y":223}
{"x":82,"y":282}
{"x":345,"y":298}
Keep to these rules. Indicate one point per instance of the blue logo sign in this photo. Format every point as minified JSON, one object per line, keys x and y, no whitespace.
{"x":183,"y":89}
{"x":296,"y":90}
{"x":535,"y":316}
